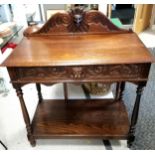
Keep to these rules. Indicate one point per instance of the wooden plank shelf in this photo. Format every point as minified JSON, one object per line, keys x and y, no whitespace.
{"x":105,"y":119}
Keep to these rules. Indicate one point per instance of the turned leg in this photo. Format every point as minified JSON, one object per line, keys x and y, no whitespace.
{"x":119,"y":90}
{"x":39,"y":92}
{"x":134,"y":117}
{"x":25,"y":115}
{"x":65,"y":91}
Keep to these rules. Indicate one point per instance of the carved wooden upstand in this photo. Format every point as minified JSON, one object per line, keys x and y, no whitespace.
{"x":80,"y":47}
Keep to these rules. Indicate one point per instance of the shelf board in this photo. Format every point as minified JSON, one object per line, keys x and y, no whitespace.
{"x":105,"y":119}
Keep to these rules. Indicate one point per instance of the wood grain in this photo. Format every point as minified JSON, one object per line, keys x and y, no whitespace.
{"x":79,"y":50}
{"x":80,"y":118}
{"x":77,"y":21}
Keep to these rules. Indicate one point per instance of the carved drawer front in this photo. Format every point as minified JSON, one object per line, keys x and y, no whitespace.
{"x":85,"y":73}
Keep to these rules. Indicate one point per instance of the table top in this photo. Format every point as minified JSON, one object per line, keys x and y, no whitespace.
{"x":68,"y":50}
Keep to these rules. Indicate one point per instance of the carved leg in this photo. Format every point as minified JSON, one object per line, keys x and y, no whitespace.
{"x":65,"y":91}
{"x":25,"y":115}
{"x":134,"y":117}
{"x":39,"y":92}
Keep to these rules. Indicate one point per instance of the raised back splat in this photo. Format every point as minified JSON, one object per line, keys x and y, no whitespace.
{"x":78,"y":21}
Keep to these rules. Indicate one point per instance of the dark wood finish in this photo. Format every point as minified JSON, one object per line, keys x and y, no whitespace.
{"x":38,"y":86}
{"x":25,"y":115}
{"x":135,"y":112}
{"x":89,"y":73}
{"x":65,"y":91}
{"x":81,"y":118}
{"x":117,"y":92}
{"x":122,"y":87}
{"x":78,"y":47}
{"x":77,"y":21}
{"x":66,"y":51}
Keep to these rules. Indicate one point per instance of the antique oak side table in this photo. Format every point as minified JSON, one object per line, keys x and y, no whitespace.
{"x":78,"y":47}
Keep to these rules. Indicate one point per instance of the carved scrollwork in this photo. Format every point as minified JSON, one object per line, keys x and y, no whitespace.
{"x":115,"y":70}
{"x":91,"y":73}
{"x":76,"y":73}
{"x":56,"y":24}
{"x":77,"y":20}
{"x":42,"y":72}
{"x":99,"y":22}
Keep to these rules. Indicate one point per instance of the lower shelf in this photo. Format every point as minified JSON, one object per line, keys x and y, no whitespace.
{"x":106,"y":119}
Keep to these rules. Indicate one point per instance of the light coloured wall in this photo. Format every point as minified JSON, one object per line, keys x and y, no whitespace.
{"x":52,"y":7}
{"x":103,"y":8}
{"x":19,"y":14}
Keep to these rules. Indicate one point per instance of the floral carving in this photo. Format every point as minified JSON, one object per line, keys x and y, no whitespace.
{"x":77,"y":20}
{"x":76,"y":73}
{"x":90,"y":73}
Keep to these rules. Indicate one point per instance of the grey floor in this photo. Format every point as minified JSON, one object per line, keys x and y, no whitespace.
{"x":145,"y":130}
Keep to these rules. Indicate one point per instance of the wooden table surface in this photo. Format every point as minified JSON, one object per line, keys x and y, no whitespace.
{"x":79,"y":50}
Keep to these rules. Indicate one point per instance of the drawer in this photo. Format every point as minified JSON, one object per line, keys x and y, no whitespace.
{"x":84,"y":73}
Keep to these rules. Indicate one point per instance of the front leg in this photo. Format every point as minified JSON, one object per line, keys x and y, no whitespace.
{"x":25,"y":114}
{"x":134,"y":117}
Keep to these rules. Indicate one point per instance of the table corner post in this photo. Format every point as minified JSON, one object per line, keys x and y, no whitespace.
{"x":25,"y":114}
{"x":134,"y":117}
